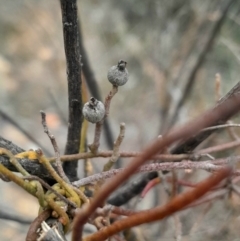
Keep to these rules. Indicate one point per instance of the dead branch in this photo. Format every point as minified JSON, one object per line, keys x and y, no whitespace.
{"x":210,"y":166}
{"x":98,"y":128}
{"x":55,"y":147}
{"x":73,"y":59}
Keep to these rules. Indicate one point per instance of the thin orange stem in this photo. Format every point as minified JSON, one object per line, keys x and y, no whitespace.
{"x":158,"y":213}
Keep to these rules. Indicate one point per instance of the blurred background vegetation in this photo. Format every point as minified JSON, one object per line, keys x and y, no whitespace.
{"x":171,"y":58}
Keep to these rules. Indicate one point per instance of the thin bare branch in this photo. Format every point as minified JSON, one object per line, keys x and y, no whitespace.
{"x":221,"y":126}
{"x":162,"y":157}
{"x":115,"y":153}
{"x":55,"y":147}
{"x":221,"y":147}
{"x":232,"y":133}
{"x":209,"y":166}
{"x":123,"y":154}
{"x":94,"y":146}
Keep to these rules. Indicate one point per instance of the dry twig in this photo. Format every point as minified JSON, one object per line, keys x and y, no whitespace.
{"x":115,"y":153}
{"x":210,"y":166}
{"x":55,"y":147}
{"x":94,"y":146}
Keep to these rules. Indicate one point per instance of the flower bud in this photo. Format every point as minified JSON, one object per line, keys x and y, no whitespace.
{"x":118,"y":74}
{"x":94,"y":110}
